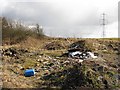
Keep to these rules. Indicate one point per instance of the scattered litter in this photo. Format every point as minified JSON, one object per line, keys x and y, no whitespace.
{"x":78,"y":50}
{"x":79,"y":61}
{"x":29,"y":72}
{"x":92,"y":55}
{"x":81,"y":55}
{"x":13,"y":52}
{"x":73,"y":54}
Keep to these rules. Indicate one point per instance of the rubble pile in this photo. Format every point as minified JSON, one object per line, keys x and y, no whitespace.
{"x":78,"y":45}
{"x":13,"y":52}
{"x":80,"y":51}
{"x":114,"y":47}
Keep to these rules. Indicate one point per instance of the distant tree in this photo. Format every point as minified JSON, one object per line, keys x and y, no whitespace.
{"x":5,"y":24}
{"x":39,"y":29}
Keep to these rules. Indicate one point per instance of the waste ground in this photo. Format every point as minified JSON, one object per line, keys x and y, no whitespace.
{"x":55,"y":68}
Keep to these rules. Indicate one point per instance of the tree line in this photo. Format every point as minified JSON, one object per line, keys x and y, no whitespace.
{"x":14,"y":31}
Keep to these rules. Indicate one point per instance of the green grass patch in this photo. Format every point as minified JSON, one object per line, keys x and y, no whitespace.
{"x":29,"y":63}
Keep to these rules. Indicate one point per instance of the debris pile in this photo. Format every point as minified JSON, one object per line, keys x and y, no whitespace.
{"x":79,"y":50}
{"x":78,"y":45}
{"x":13,"y":52}
{"x":10,"y":52}
{"x":46,"y":69}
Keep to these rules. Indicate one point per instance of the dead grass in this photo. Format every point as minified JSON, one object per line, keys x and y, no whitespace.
{"x":32,"y":44}
{"x":54,"y":53}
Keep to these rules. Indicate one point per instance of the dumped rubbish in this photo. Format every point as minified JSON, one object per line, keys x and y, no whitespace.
{"x":92,"y":55}
{"x":73,"y":54}
{"x":78,"y":50}
{"x":10,"y":52}
{"x":13,"y":52}
{"x":29,"y":72}
{"x":82,"y":55}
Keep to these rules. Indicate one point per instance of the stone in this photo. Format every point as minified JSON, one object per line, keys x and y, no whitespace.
{"x":78,"y":44}
{"x":100,"y":69}
{"x":100,"y":78}
{"x":38,"y":60}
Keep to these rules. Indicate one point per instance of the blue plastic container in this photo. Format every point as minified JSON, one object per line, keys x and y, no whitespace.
{"x":29,"y":72}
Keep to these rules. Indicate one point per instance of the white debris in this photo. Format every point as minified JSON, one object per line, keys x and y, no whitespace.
{"x":82,"y":55}
{"x":80,"y":61}
{"x":92,"y":55}
{"x":40,"y":56}
{"x":38,"y":60}
{"x":49,"y":57}
{"x":75,"y":53}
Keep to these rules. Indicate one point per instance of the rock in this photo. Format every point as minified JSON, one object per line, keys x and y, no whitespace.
{"x":57,"y":57}
{"x":96,"y":54}
{"x":100,"y":69}
{"x":106,"y":83}
{"x":46,"y":72}
{"x":66,"y":62}
{"x":23,"y":50}
{"x":38,"y":60}
{"x":117,"y":76}
{"x":114,"y":65}
{"x":22,"y":68}
{"x":45,"y":63}
{"x":65,"y":55}
{"x":38,"y":64}
{"x":110,"y":46}
{"x":100,"y":78}
{"x":118,"y":70}
{"x":13,"y":52}
{"x":50,"y":64}
{"x":78,"y":44}
{"x":10,"y":52}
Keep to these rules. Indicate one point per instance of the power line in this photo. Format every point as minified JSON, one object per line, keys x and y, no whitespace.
{"x":103,"y":24}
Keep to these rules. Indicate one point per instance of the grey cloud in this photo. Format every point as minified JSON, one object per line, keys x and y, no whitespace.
{"x":54,"y":21}
{"x":34,"y":13}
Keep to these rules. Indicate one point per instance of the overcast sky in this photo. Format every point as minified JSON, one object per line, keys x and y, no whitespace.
{"x":66,"y":18}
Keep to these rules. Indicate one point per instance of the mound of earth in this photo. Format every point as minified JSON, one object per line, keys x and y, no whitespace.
{"x":54,"y":46}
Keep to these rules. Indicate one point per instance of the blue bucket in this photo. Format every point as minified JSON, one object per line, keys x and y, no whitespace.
{"x":29,"y":72}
